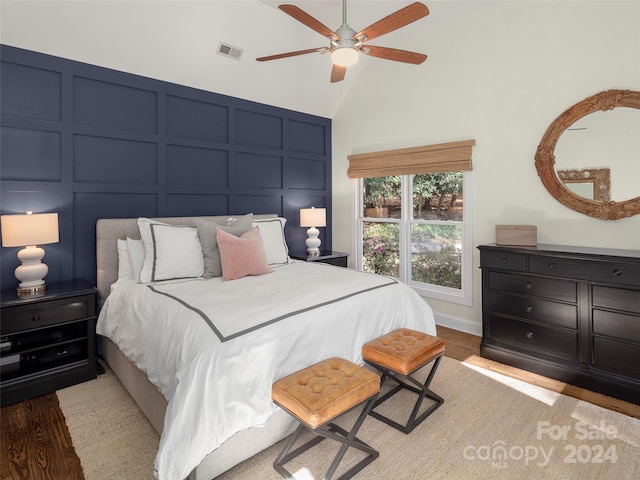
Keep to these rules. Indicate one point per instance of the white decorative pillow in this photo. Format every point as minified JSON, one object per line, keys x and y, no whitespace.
{"x":144,"y":225}
{"x":170,"y":251}
{"x":124,"y":265}
{"x":275,"y":245}
{"x":177,"y":252}
{"x":135,"y":249}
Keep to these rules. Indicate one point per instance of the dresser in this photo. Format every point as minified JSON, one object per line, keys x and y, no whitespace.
{"x":569,"y":313}
{"x":47,"y":342}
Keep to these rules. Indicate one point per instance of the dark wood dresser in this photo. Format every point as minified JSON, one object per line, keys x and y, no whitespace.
{"x":569,"y":313}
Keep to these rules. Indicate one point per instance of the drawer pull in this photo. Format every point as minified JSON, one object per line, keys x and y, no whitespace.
{"x":529,"y":309}
{"x":529,"y":285}
{"x":552,"y":266}
{"x":35,"y":318}
{"x":529,"y":335}
{"x":617,"y":273}
{"x":504,"y":260}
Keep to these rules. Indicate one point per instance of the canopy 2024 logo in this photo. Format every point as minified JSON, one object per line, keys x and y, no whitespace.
{"x":580,"y":450}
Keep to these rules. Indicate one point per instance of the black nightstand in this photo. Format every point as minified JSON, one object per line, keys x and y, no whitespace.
{"x":326,"y":256}
{"x":47,"y":342}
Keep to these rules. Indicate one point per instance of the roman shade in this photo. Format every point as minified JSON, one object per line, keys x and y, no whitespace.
{"x":443,"y":157}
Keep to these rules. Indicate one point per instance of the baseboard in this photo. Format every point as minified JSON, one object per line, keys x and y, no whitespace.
{"x":459,"y":324}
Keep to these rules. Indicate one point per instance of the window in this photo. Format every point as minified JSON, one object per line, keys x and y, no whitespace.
{"x":416,"y":226}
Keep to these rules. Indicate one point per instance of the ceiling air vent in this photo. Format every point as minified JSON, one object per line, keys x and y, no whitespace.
{"x":230,"y":51}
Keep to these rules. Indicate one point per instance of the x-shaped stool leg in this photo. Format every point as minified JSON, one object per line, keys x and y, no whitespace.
{"x":410,"y":383}
{"x":334,"y":432}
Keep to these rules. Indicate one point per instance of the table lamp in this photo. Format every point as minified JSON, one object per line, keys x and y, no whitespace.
{"x":28,"y":231}
{"x":312,"y":218}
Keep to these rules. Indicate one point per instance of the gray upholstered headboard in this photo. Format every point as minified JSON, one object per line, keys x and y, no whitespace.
{"x":109,"y":230}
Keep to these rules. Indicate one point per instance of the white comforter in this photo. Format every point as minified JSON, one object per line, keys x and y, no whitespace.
{"x":214,"y":348}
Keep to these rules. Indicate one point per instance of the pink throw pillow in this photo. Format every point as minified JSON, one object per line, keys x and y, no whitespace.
{"x":242,"y":256}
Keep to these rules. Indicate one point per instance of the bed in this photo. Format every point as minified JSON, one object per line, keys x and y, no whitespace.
{"x":198,"y":353}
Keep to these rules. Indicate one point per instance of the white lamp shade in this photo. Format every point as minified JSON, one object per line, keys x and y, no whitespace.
{"x":29,"y":229}
{"x":313,"y":217}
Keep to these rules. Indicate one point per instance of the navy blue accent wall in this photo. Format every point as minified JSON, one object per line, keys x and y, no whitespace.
{"x":90,"y":142}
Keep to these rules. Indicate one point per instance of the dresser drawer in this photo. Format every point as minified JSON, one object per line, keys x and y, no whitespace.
{"x":617,"y":356}
{"x":555,"y":288}
{"x":531,"y":308}
{"x":43,"y":314}
{"x":616,"y":298}
{"x":592,"y":270}
{"x":515,"y":262}
{"x":617,"y":325}
{"x":541,"y":339}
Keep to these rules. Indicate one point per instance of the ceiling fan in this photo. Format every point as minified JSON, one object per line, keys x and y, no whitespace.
{"x":346,"y":45}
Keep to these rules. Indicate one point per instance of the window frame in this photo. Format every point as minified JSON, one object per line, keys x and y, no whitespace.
{"x":463,"y":296}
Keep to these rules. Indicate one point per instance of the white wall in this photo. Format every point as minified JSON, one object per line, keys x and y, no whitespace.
{"x":500,"y":76}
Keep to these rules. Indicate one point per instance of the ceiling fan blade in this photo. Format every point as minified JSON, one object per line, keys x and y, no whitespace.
{"x":308,"y":20}
{"x":291,"y":54}
{"x":394,"y":54}
{"x":338,"y":73}
{"x":398,"y":19}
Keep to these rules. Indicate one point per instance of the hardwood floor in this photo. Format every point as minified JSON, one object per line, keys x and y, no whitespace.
{"x":36,"y":442}
{"x":465,"y":347}
{"x":460,"y":345}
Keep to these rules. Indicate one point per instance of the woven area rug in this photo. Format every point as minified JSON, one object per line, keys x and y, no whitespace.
{"x":111,"y":436}
{"x":490,"y":427}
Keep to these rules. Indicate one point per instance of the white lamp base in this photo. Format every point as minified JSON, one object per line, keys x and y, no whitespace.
{"x":313,"y":242}
{"x":32,"y":272}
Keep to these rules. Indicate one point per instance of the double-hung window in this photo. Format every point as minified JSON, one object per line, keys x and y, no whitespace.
{"x":414,"y":217}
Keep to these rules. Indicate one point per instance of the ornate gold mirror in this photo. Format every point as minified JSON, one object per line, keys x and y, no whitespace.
{"x":589,"y":189}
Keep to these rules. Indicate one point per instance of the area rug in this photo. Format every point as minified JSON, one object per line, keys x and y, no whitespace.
{"x":490,"y":427}
{"x":111,"y":436}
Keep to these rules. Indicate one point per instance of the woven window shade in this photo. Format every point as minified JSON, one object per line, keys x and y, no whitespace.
{"x":443,"y":157}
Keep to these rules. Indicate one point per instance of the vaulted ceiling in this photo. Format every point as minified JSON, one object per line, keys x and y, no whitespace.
{"x":177,"y":41}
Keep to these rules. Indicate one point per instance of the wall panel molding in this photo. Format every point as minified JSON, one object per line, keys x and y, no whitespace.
{"x":90,"y":142}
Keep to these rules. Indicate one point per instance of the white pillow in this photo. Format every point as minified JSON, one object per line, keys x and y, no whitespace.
{"x":124,"y":265}
{"x":144,"y":225}
{"x":135,"y":249}
{"x":177,"y":252}
{"x":170,"y":251}
{"x":275,"y":245}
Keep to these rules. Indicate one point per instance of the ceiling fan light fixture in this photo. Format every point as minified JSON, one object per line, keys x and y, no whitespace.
{"x":345,"y":56}
{"x":346,"y":45}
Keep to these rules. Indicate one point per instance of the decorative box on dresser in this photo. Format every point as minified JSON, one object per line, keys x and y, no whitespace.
{"x":47,"y":342}
{"x":569,"y":313}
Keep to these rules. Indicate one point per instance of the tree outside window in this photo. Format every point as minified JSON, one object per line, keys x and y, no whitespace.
{"x":430,"y":231}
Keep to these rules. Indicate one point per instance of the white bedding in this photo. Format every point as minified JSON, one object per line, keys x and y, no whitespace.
{"x":214,"y":348}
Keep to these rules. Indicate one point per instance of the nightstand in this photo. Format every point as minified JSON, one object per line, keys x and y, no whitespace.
{"x":47,"y":342}
{"x":326,"y":256}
